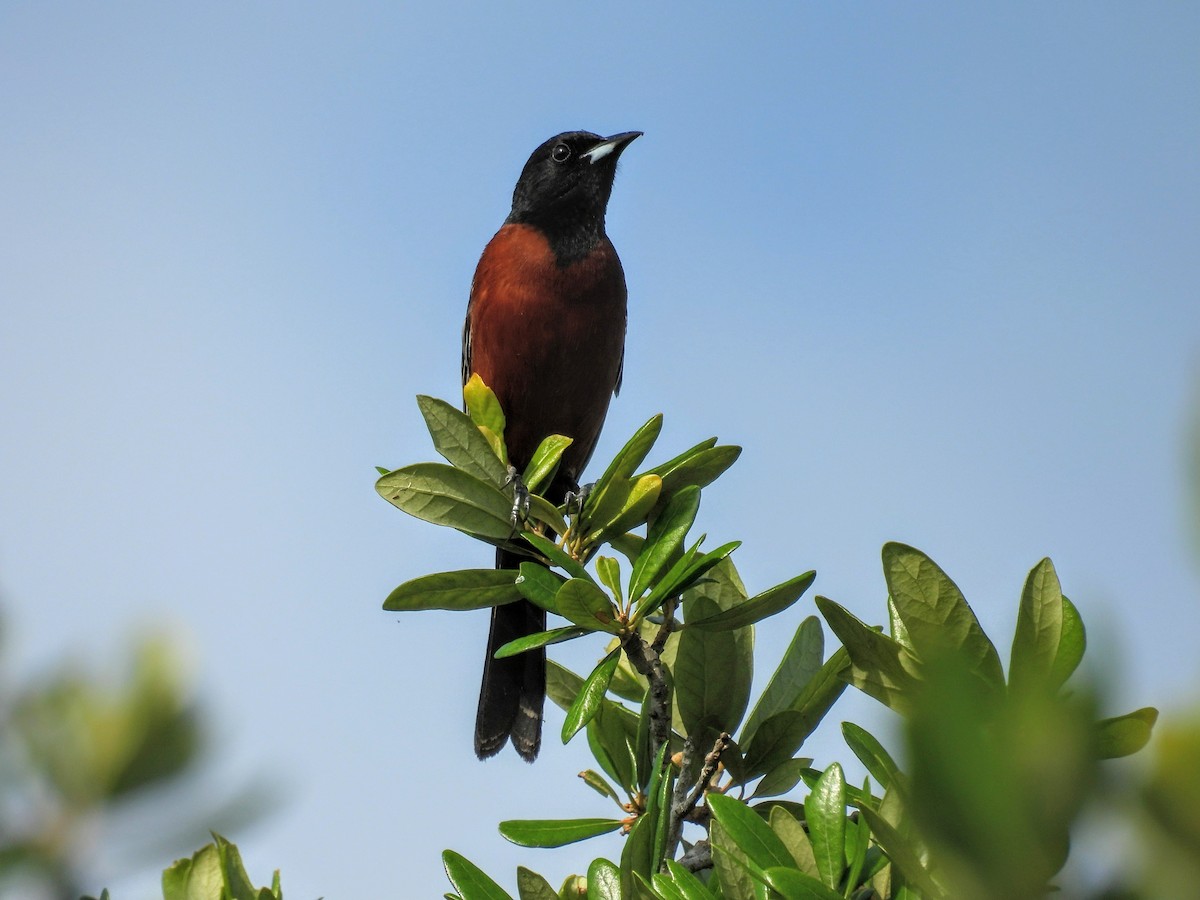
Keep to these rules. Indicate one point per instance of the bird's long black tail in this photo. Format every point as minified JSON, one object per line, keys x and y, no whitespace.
{"x":514,"y":689}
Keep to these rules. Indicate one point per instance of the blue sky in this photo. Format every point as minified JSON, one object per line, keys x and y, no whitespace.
{"x":934,"y":266}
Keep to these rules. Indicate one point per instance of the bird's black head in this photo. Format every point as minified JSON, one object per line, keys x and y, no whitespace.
{"x":564,"y":189}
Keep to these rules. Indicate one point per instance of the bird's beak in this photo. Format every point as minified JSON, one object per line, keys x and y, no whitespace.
{"x":611,"y":145}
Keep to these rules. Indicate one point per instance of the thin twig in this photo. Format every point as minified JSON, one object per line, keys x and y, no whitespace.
{"x":698,"y":857}
{"x":685,"y":802}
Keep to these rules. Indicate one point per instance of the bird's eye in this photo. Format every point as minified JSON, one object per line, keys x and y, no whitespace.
{"x":560,"y":153}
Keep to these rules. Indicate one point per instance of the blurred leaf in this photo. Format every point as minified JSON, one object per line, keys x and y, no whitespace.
{"x":759,"y":607}
{"x":555,"y":832}
{"x":664,"y":539}
{"x":540,"y":639}
{"x":603,"y":881}
{"x":800,"y":662}
{"x":460,"y":442}
{"x":1071,"y":644}
{"x":468,"y":879}
{"x":544,"y":461}
{"x":464,"y":589}
{"x":935,"y":612}
{"x":539,"y":585}
{"x":870,"y":753}
{"x":902,"y":853}
{"x":532,"y":886}
{"x":583,"y":603}
{"x":825,"y":814}
{"x":448,"y":496}
{"x":1039,"y":630}
{"x":197,"y":878}
{"x":880,"y":666}
{"x":1125,"y":735}
{"x":587,"y":703}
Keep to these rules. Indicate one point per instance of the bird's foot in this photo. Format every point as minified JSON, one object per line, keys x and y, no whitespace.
{"x":520,"y":508}
{"x":573,"y":500}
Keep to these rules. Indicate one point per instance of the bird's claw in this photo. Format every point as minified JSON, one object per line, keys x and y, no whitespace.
{"x":573,"y":500}
{"x":520,"y":508}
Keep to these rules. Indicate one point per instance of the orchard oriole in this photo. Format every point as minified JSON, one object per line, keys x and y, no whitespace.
{"x":545,"y":330}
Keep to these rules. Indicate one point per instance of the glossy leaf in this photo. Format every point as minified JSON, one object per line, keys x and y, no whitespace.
{"x":540,"y":639}
{"x":600,"y":785}
{"x":936,"y":614}
{"x":544,"y":461}
{"x":700,"y":469}
{"x":684,"y":574}
{"x":464,"y":589}
{"x":587,"y":703}
{"x":691,"y":887}
{"x":532,"y":886}
{"x":603,"y":881}
{"x":664,"y":468}
{"x":880,"y":666}
{"x":800,"y":662}
{"x":825,"y":814}
{"x":557,"y":556}
{"x":643,"y":495}
{"x":732,"y":864}
{"x":457,"y":438}
{"x":555,"y":832}
{"x":623,"y":465}
{"x":877,"y":761}
{"x":795,"y":885}
{"x":781,"y":779}
{"x":608,"y":569}
{"x":903,"y":854}
{"x":583,"y":603}
{"x":1039,"y":630}
{"x":637,"y":856}
{"x":759,"y":607}
{"x":1125,"y":735}
{"x":469,"y":880}
{"x":896,"y":626}
{"x":448,"y":496}
{"x":664,"y":540}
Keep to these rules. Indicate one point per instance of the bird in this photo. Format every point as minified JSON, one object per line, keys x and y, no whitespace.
{"x":545,"y":330}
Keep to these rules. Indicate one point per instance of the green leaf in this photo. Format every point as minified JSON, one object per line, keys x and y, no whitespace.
{"x":557,"y":556}
{"x":448,"y":496}
{"x":469,"y":880}
{"x":609,"y":571}
{"x":460,"y":442}
{"x":1039,"y":630}
{"x":643,"y":494}
{"x":794,"y":885}
{"x":587,"y":703}
{"x":1125,"y":735}
{"x":544,"y":461}
{"x":825,"y":813}
{"x":603,"y":881}
{"x":935,"y":612}
{"x":896,"y":626}
{"x":532,"y":886}
{"x":196,"y":878}
{"x":800,"y":662}
{"x":1071,"y":644}
{"x":747,"y":829}
{"x":583,"y":603}
{"x":663,"y":469}
{"x":597,"y":783}
{"x":637,"y":856}
{"x":482,"y":406}
{"x":562,"y":685}
{"x":701,"y":469}
{"x":381,"y":470}
{"x":664,"y":539}
{"x":464,"y":589}
{"x":539,"y":585}
{"x":555,"y":832}
{"x":542,"y":510}
{"x":540,"y":639}
{"x":781,"y":779}
{"x":870,"y":753}
{"x":690,"y":887}
{"x":902,"y":853}
{"x":712,"y":672}
{"x":880,"y":666}
{"x":759,"y":607}
{"x":683,"y":574}
{"x":612,"y":737}
{"x":624,"y":464}
{"x":573,"y":887}
{"x":731,"y":863}
{"x":796,"y":839}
